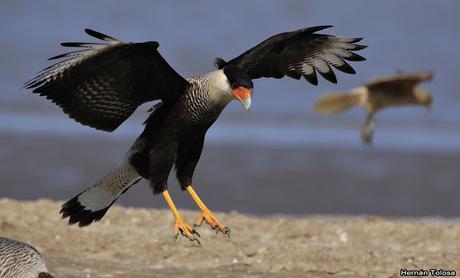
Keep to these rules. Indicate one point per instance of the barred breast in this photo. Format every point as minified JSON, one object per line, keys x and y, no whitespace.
{"x":202,"y":103}
{"x":20,"y":260}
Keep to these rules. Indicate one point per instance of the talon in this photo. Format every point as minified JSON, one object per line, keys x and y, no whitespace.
{"x":211,"y":220}
{"x":185,"y":230}
{"x":227,"y":231}
{"x":206,"y":214}
{"x":196,"y":233}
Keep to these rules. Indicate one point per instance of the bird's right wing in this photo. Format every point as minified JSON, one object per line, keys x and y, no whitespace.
{"x":102,"y":84}
{"x":298,"y":54}
{"x":397,"y":83}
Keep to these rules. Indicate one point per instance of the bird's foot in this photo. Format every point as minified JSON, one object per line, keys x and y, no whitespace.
{"x":184,"y":229}
{"x":367,"y":134}
{"x":211,"y":220}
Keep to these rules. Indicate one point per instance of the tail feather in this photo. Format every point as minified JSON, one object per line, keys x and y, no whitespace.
{"x":335,"y":103}
{"x":92,"y":204}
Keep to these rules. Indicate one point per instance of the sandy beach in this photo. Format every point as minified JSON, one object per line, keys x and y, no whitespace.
{"x":138,"y":243}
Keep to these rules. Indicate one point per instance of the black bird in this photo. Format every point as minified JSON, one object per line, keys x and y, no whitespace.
{"x":102,"y":84}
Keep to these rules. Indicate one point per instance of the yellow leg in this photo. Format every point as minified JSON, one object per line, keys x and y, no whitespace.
{"x":207,"y":215}
{"x":181,"y":226}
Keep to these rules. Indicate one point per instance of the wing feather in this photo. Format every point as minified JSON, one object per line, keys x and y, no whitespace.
{"x":398,"y":82}
{"x":299,"y":53}
{"x":103,"y":84}
{"x":100,"y":36}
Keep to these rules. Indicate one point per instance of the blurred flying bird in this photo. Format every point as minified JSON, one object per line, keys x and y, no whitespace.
{"x":379,"y":93}
{"x":102,"y":84}
{"x":20,"y":260}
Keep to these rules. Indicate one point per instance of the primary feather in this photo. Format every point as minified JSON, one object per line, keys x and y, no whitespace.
{"x":103,"y":84}
{"x":298,"y":54}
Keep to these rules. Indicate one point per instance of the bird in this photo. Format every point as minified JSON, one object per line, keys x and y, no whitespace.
{"x":398,"y":89}
{"x":20,"y":260}
{"x":101,"y":84}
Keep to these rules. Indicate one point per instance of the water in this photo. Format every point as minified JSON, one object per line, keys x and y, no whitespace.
{"x":292,"y":135}
{"x":412,"y":169}
{"x":409,"y":35}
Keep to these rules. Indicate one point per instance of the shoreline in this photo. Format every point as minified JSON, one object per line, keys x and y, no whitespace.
{"x":256,"y":180}
{"x":297,"y":133}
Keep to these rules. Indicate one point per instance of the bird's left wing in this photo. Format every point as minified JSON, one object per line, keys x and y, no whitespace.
{"x":396,"y":83}
{"x":298,"y":53}
{"x":102,"y":84}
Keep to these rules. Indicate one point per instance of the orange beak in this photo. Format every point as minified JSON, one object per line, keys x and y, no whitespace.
{"x":243,"y":95}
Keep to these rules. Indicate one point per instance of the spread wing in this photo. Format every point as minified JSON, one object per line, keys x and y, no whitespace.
{"x":102,"y":84}
{"x":298,"y":53}
{"x":401,"y":82}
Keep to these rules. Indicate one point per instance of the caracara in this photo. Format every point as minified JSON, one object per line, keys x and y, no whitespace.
{"x":102,"y":84}
{"x":382,"y":92}
{"x":20,"y":260}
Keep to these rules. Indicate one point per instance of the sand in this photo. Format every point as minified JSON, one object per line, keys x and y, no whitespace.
{"x":133,"y":242}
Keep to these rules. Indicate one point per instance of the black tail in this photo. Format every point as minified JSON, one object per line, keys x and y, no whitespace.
{"x":78,"y":214}
{"x":91,"y":205}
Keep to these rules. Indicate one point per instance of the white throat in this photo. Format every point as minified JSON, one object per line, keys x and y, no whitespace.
{"x":219,"y":87}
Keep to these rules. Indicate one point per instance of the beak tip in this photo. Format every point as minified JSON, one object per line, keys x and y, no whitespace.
{"x":247,"y":104}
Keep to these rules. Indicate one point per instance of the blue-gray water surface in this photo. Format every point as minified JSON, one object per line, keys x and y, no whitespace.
{"x":402,"y":35}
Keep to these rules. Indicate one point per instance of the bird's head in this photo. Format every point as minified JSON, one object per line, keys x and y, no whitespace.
{"x":241,"y":85}
{"x":423,"y":97}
